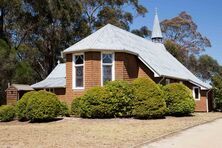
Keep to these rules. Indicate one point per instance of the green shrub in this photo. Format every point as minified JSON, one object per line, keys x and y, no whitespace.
{"x":179,"y":99}
{"x":43,"y":106}
{"x":64,"y":109}
{"x":217,"y":91}
{"x":148,"y":102}
{"x":112,"y":100}
{"x":21,"y":106}
{"x":92,"y":104}
{"x":76,"y":107}
{"x":120,"y":96}
{"x":7,"y":113}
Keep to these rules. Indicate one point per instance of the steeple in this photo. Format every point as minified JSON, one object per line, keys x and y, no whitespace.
{"x":156,"y":34}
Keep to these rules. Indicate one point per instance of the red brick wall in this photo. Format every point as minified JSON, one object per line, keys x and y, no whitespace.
{"x":201,"y":104}
{"x":92,"y":77}
{"x":129,"y":67}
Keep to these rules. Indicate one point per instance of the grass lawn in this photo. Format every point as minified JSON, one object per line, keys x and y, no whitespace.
{"x":75,"y":132}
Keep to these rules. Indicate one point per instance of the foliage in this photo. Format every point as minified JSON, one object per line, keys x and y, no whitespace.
{"x":207,"y":67}
{"x":120,"y":95}
{"x":176,"y":50}
{"x":64,"y":109}
{"x":76,"y":106}
{"x":94,"y":104}
{"x":7,"y":66}
{"x":217,"y":89}
{"x":43,"y":105}
{"x":21,"y":105}
{"x":148,"y":102}
{"x":7,"y":113}
{"x":143,"y":32}
{"x":179,"y":99}
{"x":112,"y":100}
{"x":183,"y":31}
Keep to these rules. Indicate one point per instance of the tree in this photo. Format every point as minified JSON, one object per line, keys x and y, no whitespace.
{"x":176,"y":50}
{"x":207,"y":67}
{"x":7,"y":66}
{"x":217,"y":89}
{"x":63,"y":23}
{"x":101,"y":12}
{"x":193,"y":65}
{"x":183,"y":31}
{"x":143,"y":32}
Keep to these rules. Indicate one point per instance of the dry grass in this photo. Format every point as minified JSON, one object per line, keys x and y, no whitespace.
{"x":75,"y":132}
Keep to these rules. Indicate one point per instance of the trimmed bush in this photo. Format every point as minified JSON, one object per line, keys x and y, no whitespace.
{"x":21,"y":106}
{"x":120,"y":96}
{"x":92,"y":104}
{"x":112,"y":100}
{"x":43,"y":106}
{"x":64,"y":109}
{"x":7,"y":113}
{"x":179,"y":99}
{"x":148,"y":102}
{"x":76,"y":107}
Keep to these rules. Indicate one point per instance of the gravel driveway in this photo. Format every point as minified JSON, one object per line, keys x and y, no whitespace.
{"x":203,"y":136}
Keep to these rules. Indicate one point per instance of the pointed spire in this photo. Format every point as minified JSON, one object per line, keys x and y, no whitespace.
{"x":156,"y":34}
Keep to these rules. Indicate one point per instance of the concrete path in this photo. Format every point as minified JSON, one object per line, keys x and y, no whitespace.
{"x":204,"y":136}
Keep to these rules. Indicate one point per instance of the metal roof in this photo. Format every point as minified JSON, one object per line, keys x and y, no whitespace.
{"x":156,"y":33}
{"x":56,"y":79}
{"x":153,"y":55}
{"x":22,"y":87}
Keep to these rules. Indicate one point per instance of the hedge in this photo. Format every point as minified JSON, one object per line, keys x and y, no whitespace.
{"x":7,"y":113}
{"x":148,"y":102}
{"x":179,"y":99}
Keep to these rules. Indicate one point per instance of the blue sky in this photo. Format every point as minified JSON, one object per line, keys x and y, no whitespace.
{"x":207,"y":14}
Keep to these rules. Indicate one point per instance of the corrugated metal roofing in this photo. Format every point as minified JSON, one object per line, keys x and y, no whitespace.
{"x":56,"y":79}
{"x":153,"y":55}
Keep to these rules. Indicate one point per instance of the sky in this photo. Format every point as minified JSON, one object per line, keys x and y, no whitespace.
{"x":207,"y":14}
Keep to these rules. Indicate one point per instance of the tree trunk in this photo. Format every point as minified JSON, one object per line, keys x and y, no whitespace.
{"x":1,"y":23}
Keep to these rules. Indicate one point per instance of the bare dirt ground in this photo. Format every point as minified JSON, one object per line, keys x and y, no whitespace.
{"x":76,"y":132}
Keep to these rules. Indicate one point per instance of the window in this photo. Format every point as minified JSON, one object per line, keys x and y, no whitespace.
{"x":78,"y":71}
{"x":196,"y":93}
{"x":167,"y":81}
{"x":107,"y":67}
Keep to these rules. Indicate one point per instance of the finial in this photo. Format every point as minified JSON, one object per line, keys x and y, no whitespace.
{"x":58,"y":62}
{"x":156,"y":11}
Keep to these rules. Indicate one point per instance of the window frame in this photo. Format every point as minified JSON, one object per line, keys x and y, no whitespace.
{"x":198,"y":93}
{"x":74,"y":65}
{"x":112,"y":64}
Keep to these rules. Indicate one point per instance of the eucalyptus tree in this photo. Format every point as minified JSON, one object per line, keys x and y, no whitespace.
{"x":183,"y":31}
